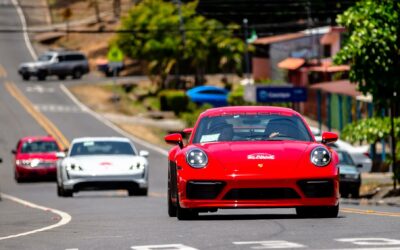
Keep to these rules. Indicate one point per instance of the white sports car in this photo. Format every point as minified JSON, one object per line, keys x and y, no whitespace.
{"x":102,"y":163}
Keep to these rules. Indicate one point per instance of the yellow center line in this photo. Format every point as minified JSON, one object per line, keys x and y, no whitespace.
{"x":3,"y":72}
{"x":42,"y":120}
{"x":369,"y":212}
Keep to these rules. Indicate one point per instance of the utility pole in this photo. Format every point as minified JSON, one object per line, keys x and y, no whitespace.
{"x":247,"y":57}
{"x":392,"y":134}
{"x":183,"y":38}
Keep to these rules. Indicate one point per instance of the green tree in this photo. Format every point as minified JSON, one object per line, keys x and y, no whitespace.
{"x":159,"y":38}
{"x":373,"y":51}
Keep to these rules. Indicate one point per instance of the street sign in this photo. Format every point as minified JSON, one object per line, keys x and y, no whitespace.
{"x":115,"y":54}
{"x":280,"y":94}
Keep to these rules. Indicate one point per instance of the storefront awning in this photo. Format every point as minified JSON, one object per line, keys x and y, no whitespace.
{"x":291,"y":63}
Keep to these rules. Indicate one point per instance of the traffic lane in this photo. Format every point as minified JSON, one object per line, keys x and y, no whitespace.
{"x":144,"y":222}
{"x":13,"y":50}
{"x":15,"y":123}
{"x":73,"y":122}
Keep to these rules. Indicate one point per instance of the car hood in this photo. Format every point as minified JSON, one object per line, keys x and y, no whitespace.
{"x":43,"y":156}
{"x":33,"y":64}
{"x":244,"y":157}
{"x":106,"y":162}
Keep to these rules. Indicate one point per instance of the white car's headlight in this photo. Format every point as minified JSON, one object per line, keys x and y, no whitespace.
{"x":196,"y":158}
{"x":138,"y":166}
{"x":74,"y":167}
{"x":320,"y":157}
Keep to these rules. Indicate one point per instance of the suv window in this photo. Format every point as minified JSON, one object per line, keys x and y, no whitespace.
{"x":74,"y":57}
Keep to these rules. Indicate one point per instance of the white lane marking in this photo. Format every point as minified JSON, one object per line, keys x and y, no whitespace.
{"x":111,"y":125}
{"x":373,"y":248}
{"x":272,"y":244}
{"x":65,"y":218}
{"x":39,"y":89}
{"x":57,"y":108}
{"x":23,"y":23}
{"x":164,"y":247}
{"x":371,"y":241}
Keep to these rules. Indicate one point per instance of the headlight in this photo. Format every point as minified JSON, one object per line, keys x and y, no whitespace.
{"x":320,"y":156}
{"x":196,"y":158}
{"x":28,"y":163}
{"x":74,"y":167}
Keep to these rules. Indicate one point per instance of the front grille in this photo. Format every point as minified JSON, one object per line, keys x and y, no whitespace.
{"x":316,"y":188}
{"x":104,"y":185}
{"x":203,"y":190}
{"x":46,"y":164}
{"x":261,"y":194}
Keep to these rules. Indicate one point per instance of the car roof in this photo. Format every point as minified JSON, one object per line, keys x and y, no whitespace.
{"x":37,"y":138}
{"x":205,"y":87}
{"x":63,"y":52}
{"x":86,"y":139}
{"x":249,"y":110}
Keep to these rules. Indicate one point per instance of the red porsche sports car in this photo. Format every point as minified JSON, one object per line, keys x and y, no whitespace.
{"x":252,"y":157}
{"x":35,"y":157}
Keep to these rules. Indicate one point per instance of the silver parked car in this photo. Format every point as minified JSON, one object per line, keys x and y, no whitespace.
{"x":102,"y":163}
{"x":59,"y":63}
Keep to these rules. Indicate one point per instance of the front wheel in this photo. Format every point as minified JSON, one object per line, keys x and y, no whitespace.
{"x":318,"y":212}
{"x":185,"y":213}
{"x":64,"y":193}
{"x":77,"y":74}
{"x":26,"y":77}
{"x":171,"y":206}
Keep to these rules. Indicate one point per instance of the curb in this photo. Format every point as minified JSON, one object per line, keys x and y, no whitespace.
{"x":374,"y":202}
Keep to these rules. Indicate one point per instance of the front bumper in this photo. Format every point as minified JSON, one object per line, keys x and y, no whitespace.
{"x":29,"y":172}
{"x":28,"y":71}
{"x":104,"y":182}
{"x":260,"y":193}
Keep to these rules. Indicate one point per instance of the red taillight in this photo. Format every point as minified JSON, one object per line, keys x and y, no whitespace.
{"x":367,"y":154}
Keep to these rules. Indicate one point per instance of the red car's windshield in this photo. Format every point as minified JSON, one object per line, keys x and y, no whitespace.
{"x":251,"y":128}
{"x":39,"y":147}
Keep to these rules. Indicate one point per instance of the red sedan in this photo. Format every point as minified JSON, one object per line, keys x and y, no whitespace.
{"x":252,"y":157}
{"x":35,"y":157}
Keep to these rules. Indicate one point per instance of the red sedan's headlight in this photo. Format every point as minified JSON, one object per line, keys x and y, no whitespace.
{"x":196,"y":158}
{"x":320,"y":157}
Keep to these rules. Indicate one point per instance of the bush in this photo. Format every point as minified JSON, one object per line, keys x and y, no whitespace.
{"x":236,"y":97}
{"x":173,"y":100}
{"x":193,"y":113}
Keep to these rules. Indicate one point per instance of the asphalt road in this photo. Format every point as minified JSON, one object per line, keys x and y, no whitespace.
{"x":112,"y":220}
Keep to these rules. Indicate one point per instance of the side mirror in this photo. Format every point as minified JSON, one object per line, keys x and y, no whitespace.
{"x":359,"y":165}
{"x":188,"y":131}
{"x":174,"y":139}
{"x":60,"y":155}
{"x":65,"y":150}
{"x":13,"y":151}
{"x":144,"y":153}
{"x":329,"y":137}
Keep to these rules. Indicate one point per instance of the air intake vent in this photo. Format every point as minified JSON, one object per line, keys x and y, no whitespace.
{"x":261,"y":194}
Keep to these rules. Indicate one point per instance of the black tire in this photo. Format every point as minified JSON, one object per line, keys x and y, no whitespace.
{"x":355,"y":193}
{"x":131,"y":192}
{"x":64,"y":193}
{"x":141,"y":191}
{"x":318,"y":212}
{"x":344,"y":193}
{"x":42,"y":76}
{"x":77,"y":73}
{"x":171,"y":206}
{"x":17,"y":178}
{"x":26,"y":77}
{"x":61,"y":77}
{"x":185,"y":213}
